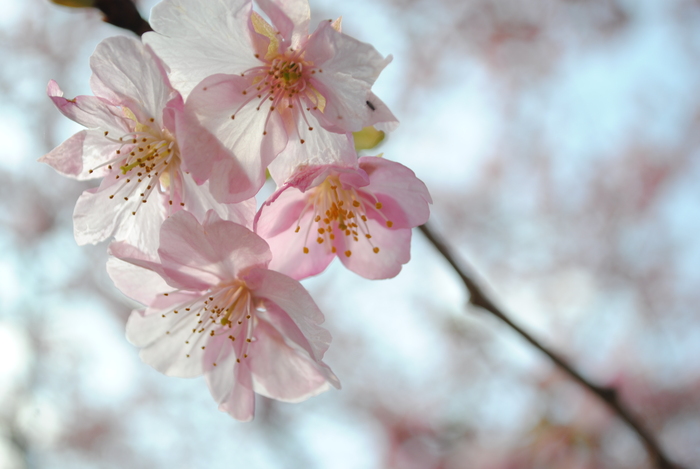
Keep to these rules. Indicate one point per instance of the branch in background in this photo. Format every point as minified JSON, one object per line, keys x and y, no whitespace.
{"x":477,"y":297}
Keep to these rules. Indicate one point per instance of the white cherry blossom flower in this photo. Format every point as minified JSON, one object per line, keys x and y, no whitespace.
{"x":272,"y":94}
{"x":135,"y":127}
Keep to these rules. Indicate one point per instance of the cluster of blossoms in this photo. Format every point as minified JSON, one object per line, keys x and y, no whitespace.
{"x":182,"y":128}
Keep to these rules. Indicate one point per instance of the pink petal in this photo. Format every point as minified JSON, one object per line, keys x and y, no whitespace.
{"x":288,"y":256}
{"x":281,"y":372}
{"x":199,"y":200}
{"x":394,"y":251}
{"x":210,"y":252}
{"x":67,"y":157}
{"x":89,"y":111}
{"x":292,"y":298}
{"x":280,"y":212}
{"x":289,"y":200}
{"x":136,"y":282}
{"x":213,"y":102}
{"x":198,"y":39}
{"x":405,"y":198}
{"x":97,"y":217}
{"x":231,"y":386}
{"x":290,"y":17}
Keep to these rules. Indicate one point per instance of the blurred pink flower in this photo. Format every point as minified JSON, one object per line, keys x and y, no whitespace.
{"x":213,"y":308}
{"x":133,"y":125}
{"x":362,"y":214}
{"x":272,"y":94}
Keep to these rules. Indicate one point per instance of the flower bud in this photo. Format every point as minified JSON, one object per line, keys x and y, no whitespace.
{"x":75,"y":3}
{"x":367,"y":138}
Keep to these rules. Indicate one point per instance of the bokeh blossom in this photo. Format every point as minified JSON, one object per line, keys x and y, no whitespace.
{"x":362,"y":214}
{"x":213,"y":308}
{"x":272,"y":94}
{"x":133,"y":125}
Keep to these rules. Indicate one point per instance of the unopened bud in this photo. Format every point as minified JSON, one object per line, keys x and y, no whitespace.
{"x":75,"y":3}
{"x":367,"y":138}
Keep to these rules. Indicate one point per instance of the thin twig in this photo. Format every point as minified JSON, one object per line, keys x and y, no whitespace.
{"x":608,"y":395}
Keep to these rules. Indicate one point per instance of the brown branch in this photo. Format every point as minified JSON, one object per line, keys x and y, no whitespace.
{"x":477,"y":297}
{"x":123,"y":14}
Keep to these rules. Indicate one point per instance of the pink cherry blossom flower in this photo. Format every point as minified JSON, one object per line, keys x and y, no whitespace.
{"x":213,"y":308}
{"x":133,"y":122}
{"x":272,"y":94}
{"x":363,"y":215}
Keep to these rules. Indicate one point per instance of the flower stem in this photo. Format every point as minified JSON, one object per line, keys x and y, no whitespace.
{"x":609,"y":395}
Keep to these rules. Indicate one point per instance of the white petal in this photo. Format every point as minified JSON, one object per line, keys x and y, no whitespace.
{"x":348,"y":55}
{"x":198,"y":201}
{"x":350,"y":67}
{"x":140,"y":284}
{"x":97,"y":217}
{"x":320,"y":147}
{"x":166,"y":341}
{"x":202,"y":38}
{"x":130,"y":70}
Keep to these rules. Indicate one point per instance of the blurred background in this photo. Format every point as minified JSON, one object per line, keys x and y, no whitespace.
{"x":559,"y":139}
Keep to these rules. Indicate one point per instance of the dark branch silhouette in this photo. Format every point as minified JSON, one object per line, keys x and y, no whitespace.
{"x":479,"y":298}
{"x":123,"y":13}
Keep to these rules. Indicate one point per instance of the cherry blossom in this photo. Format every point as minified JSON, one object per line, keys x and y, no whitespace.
{"x":135,"y":124}
{"x":213,"y":308}
{"x":362,"y":214}
{"x":272,"y":94}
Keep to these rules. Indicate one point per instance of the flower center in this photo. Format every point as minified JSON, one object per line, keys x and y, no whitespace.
{"x":341,"y":212}
{"x":286,"y":74}
{"x":147,"y":160}
{"x":228,"y":310}
{"x":283,"y":84}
